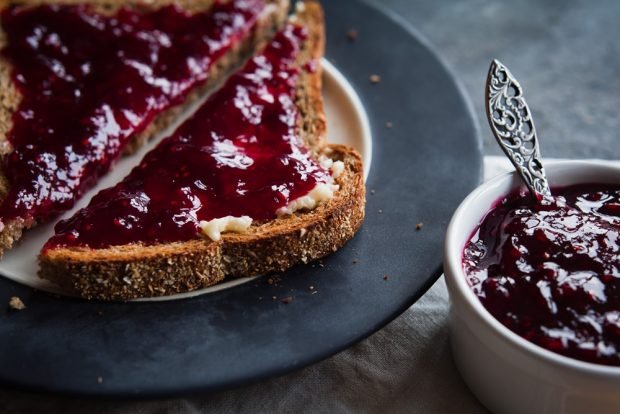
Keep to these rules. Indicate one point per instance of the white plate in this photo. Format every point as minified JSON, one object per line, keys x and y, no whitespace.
{"x":347,"y":123}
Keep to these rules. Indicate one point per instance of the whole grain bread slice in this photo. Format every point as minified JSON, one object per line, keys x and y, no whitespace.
{"x":135,"y":270}
{"x":272,"y":18}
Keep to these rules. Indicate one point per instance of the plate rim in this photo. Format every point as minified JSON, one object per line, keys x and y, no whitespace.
{"x":153,"y":392}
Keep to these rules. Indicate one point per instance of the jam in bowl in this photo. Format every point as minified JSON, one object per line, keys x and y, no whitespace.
{"x":550,"y":270}
{"x":535,"y":291}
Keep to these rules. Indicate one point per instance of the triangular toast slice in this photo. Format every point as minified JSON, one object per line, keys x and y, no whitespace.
{"x":245,"y":187}
{"x":83,"y":81}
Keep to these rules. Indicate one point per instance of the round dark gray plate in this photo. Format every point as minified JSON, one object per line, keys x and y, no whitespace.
{"x":422,"y":168}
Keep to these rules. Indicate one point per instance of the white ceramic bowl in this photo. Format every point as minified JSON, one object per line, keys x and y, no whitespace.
{"x":507,"y":373}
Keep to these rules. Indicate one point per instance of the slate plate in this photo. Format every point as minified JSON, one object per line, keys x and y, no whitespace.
{"x":421,"y":169}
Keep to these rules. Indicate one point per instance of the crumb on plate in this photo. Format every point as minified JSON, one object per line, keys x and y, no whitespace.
{"x":16,"y":303}
{"x":287,"y":300}
{"x":352,"y":35}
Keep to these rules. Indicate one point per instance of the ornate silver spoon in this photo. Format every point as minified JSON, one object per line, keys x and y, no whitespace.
{"x":513,"y":127}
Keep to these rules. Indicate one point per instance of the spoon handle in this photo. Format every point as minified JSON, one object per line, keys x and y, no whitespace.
{"x":513,"y":127}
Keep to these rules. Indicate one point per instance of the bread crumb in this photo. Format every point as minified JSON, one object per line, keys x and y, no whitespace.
{"x":352,"y":35}
{"x":372,"y":191}
{"x":99,"y":380}
{"x":385,"y":277}
{"x":273,"y":280}
{"x":287,"y":300}
{"x":321,"y":264}
{"x":274,"y":298}
{"x":16,"y":303}
{"x":419,"y":226}
{"x":389,"y":124}
{"x":311,"y":288}
{"x":314,"y":292}
{"x":380,"y":211}
{"x":375,"y":79}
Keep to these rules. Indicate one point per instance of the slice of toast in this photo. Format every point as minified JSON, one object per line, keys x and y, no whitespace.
{"x":272,"y":17}
{"x":137,"y":270}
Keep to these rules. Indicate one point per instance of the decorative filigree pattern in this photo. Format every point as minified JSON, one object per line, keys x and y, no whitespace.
{"x":513,"y":127}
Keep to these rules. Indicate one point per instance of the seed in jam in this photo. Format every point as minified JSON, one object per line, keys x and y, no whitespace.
{"x":239,"y":155}
{"x":89,"y":82}
{"x":550,"y":271}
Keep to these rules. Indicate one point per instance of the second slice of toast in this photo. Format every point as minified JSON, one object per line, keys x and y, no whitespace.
{"x":139,"y":269}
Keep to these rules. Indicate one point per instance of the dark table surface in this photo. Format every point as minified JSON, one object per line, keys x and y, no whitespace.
{"x":565,"y":54}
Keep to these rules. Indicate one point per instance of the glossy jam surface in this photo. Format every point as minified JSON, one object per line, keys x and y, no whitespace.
{"x":239,"y":154}
{"x":89,"y":82}
{"x":551,"y":273}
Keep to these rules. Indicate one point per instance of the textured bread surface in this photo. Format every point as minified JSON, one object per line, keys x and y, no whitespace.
{"x":133,"y":271}
{"x":273,"y":17}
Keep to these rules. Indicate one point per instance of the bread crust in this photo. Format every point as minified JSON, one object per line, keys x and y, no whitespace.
{"x":134,"y":271}
{"x":273,"y":18}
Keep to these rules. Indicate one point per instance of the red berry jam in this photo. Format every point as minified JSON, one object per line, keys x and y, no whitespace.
{"x":238,"y":155}
{"x":89,"y":82}
{"x":551,"y":272}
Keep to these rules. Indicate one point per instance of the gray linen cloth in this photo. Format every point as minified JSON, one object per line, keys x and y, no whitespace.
{"x":405,"y":367}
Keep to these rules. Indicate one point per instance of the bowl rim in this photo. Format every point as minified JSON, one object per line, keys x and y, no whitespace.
{"x":455,"y":274}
